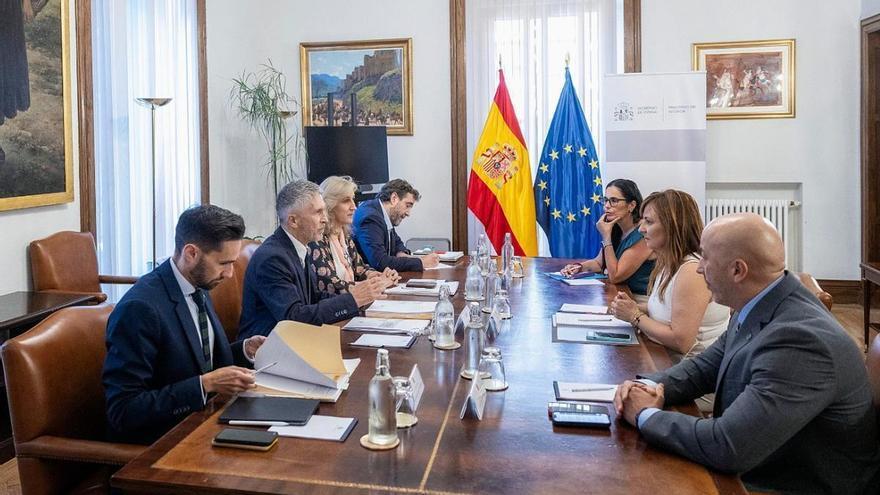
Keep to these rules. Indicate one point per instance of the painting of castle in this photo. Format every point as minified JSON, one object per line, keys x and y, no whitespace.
{"x":377,"y":73}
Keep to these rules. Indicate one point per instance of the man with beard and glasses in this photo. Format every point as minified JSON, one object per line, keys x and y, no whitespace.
{"x":166,"y":349}
{"x":374,"y":226}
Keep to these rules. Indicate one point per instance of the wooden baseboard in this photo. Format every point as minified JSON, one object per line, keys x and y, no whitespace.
{"x":844,"y":291}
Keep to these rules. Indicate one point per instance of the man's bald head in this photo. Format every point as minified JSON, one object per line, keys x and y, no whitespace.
{"x":742,"y":253}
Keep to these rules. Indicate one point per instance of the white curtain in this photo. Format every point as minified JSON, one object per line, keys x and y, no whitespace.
{"x":532,"y":38}
{"x":143,"y":48}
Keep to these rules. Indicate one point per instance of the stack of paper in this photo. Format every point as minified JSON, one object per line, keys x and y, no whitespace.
{"x":403,"y":290}
{"x":309,"y":362}
{"x":386,"y":325}
{"x":410,"y":310}
{"x":584,"y":308}
{"x":319,"y":428}
{"x":451,"y":256}
{"x":381,"y":340}
{"x":588,"y":320}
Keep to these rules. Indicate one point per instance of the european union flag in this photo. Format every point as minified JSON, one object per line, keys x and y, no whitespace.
{"x":568,"y":186}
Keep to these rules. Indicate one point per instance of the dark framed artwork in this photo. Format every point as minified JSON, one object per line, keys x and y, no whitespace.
{"x":378,"y":72}
{"x":36,"y":161}
{"x":748,"y":79}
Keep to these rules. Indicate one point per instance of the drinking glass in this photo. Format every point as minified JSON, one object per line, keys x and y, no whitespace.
{"x":403,"y":392}
{"x":491,"y":368}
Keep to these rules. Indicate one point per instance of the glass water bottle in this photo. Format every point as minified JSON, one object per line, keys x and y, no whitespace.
{"x":473,"y":286}
{"x":383,"y":417}
{"x":506,"y":253}
{"x":473,"y":335}
{"x":444,"y":319}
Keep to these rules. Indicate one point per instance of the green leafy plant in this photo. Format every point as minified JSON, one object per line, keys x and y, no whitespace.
{"x":262,"y":101}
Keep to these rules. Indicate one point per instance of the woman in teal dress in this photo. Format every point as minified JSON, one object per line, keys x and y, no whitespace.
{"x":624,"y":256}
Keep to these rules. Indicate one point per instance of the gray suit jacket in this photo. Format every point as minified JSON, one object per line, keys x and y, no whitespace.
{"x":793,"y":408}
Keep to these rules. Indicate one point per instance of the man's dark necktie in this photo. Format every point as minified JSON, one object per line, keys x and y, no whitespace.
{"x":308,"y":288}
{"x":199,"y":298}
{"x":391,"y":242}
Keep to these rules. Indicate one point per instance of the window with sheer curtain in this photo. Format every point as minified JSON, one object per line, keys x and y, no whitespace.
{"x":532,"y":39}
{"x":143,"y":48}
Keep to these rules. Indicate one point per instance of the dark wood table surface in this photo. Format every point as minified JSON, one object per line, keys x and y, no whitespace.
{"x":514,"y":449}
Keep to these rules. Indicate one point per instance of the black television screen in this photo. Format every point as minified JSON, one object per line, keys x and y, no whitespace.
{"x":361,"y":152}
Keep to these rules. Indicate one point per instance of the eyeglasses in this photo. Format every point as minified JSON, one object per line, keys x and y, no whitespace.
{"x":613,"y":201}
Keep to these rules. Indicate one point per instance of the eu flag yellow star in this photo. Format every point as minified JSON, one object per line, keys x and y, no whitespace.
{"x":597,"y":181}
{"x":556,"y":214}
{"x":547,"y":201}
{"x":567,"y":148}
{"x":594,"y":164}
{"x":542,"y":185}
{"x":544,"y":168}
{"x":585,"y":211}
{"x":596,"y":198}
{"x":582,"y":152}
{"x":571,"y":217}
{"x":554,"y":155}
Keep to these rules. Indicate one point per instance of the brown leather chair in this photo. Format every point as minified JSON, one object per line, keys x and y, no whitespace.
{"x":813,"y":286}
{"x":872,"y":361}
{"x":56,"y":403}
{"x":67,"y":262}
{"x":227,"y":296}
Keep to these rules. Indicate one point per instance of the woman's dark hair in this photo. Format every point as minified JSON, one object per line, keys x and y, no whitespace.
{"x":631,"y":193}
{"x":207,"y":226}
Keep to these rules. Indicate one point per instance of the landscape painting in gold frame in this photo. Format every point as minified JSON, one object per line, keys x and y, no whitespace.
{"x":379,"y":72}
{"x":36,"y":156}
{"x":748,"y":79}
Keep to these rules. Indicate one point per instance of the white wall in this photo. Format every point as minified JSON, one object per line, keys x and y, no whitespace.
{"x":20,"y":227}
{"x":818,"y":148}
{"x":870,"y":7}
{"x":243,"y":35}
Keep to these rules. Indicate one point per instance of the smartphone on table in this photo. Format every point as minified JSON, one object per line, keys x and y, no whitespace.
{"x":240,"y":438}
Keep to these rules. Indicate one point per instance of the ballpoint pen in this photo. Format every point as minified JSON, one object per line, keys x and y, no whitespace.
{"x":593,"y":389}
{"x":264,"y":368}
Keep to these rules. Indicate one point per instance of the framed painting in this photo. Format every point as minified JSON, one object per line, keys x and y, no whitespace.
{"x":36,"y":161}
{"x":748,"y":79}
{"x":378,"y":73}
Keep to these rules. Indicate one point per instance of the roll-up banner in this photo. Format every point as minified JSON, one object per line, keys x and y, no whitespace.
{"x":655,"y":131}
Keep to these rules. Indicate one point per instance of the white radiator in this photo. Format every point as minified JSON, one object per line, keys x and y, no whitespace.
{"x":777,"y":211}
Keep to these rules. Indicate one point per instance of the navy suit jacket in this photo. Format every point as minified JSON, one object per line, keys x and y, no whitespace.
{"x":154,"y":358}
{"x":374,"y":243}
{"x":276,"y":288}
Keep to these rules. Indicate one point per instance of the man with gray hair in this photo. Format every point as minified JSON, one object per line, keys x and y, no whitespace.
{"x":793,"y":407}
{"x":280,"y":282}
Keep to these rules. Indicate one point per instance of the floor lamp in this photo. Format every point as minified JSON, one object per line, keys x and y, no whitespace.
{"x":153,"y":104}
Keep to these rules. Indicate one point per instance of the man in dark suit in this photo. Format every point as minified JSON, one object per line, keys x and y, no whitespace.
{"x":280,"y":283}
{"x":374,"y":229}
{"x":166,"y":349}
{"x":793,"y":409}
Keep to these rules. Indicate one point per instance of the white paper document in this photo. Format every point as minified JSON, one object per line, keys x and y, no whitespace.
{"x":583,"y":308}
{"x":403,"y":290}
{"x":589,"y":320}
{"x":440,"y":266}
{"x":582,"y":281}
{"x":596,"y":392}
{"x":382,"y":340}
{"x":386,"y":325}
{"x":401,"y":309}
{"x":270,"y":384}
{"x":319,"y":428}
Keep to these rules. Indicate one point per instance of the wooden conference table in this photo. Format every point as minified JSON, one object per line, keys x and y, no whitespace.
{"x":514,"y":449}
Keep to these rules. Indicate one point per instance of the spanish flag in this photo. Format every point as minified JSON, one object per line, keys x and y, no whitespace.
{"x":500,"y":188}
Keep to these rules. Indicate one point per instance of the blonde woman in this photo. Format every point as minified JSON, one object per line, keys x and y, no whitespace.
{"x":680,"y":313}
{"x":335,"y":258}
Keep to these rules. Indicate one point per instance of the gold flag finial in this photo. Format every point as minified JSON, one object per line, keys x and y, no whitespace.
{"x":567,"y":59}
{"x":499,"y":62}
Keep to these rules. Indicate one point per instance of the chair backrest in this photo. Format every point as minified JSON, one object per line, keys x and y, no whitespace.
{"x":65,"y":261}
{"x":872,"y":361}
{"x":813,"y":286}
{"x":227,"y":296}
{"x":53,"y":376}
{"x":436,"y":243}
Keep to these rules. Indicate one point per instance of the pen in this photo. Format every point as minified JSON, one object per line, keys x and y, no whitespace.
{"x":233,"y":422}
{"x":593,"y":389}
{"x":264,"y":368}
{"x":595,"y":319}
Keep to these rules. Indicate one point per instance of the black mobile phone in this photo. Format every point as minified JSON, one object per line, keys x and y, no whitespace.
{"x":245,"y":439}
{"x":587,"y":420}
{"x":612,"y":335}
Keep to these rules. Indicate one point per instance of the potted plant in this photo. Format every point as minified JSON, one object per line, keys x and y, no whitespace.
{"x":261,"y":99}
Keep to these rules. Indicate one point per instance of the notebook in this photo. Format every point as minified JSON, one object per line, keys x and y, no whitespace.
{"x":290,"y":410}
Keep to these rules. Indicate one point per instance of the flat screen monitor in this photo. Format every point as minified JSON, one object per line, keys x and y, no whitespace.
{"x":361,"y":152}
